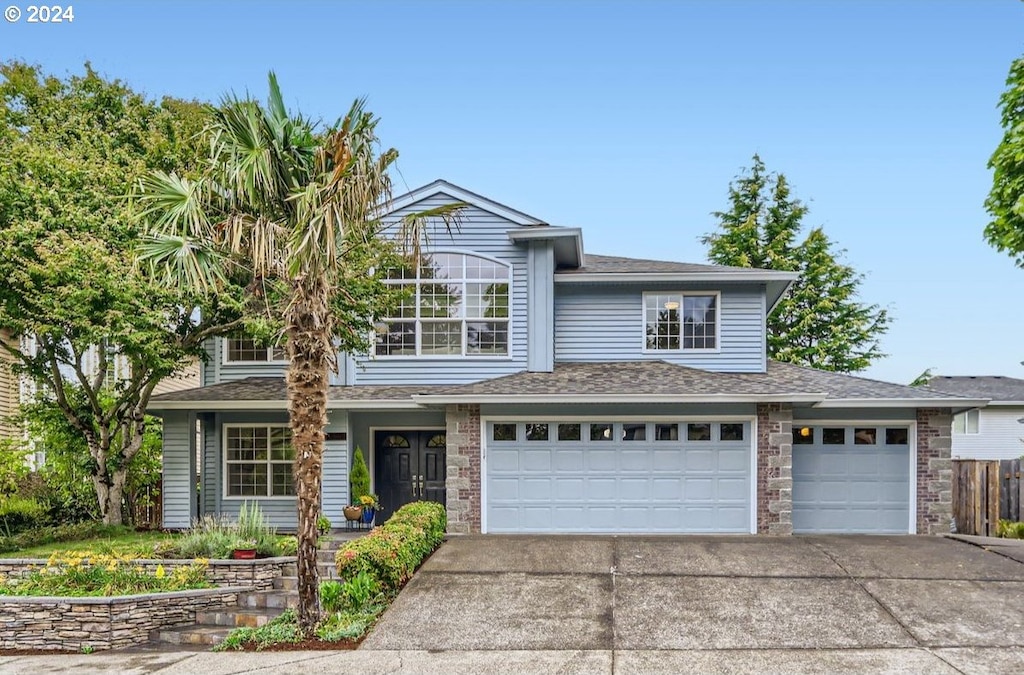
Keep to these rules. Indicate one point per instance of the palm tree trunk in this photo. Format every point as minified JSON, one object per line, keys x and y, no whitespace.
{"x":309,"y":345}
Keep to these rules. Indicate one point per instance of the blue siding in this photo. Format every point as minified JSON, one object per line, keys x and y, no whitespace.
{"x":541,"y":308}
{"x":601,"y":322}
{"x":481,"y":232}
{"x":179,"y":470}
{"x":281,"y":512}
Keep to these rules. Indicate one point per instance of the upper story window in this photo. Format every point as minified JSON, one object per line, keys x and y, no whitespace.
{"x":456,"y":304}
{"x":680,"y":321}
{"x":242,"y":350}
{"x":966,"y":422}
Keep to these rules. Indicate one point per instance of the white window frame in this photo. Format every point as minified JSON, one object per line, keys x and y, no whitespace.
{"x":267,"y":462}
{"x":682,"y":350}
{"x":965,"y":417}
{"x":269,"y":361}
{"x":417,"y":281}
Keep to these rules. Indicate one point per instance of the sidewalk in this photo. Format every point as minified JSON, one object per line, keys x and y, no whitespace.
{"x":790,"y":661}
{"x":1011,"y":548}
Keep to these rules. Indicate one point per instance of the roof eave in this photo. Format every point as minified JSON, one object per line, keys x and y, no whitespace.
{"x":796,"y":397}
{"x":568,"y":242}
{"x":958,"y":403}
{"x":617,"y":277}
{"x":374,"y":404}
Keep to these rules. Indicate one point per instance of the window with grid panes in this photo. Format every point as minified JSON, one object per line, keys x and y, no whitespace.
{"x":258,"y":461}
{"x":455,"y":304}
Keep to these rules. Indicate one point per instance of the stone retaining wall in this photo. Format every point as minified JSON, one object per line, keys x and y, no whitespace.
{"x":254,"y":574}
{"x":101,"y":623}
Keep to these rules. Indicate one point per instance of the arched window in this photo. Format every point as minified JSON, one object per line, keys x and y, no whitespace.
{"x":455,"y":304}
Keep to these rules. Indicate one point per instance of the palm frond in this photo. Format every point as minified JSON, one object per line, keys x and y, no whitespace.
{"x":173,"y":204}
{"x":182,"y":262}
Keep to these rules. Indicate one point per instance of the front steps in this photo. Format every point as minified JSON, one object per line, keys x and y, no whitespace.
{"x":253,"y":608}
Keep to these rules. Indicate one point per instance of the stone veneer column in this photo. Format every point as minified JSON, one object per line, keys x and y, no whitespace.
{"x":462,"y":483}
{"x":934,"y":470}
{"x":774,"y":468}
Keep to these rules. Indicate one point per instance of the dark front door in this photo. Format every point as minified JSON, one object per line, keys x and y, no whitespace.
{"x":409,"y":467}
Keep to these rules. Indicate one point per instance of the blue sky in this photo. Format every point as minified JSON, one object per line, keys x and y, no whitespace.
{"x":630,"y":119}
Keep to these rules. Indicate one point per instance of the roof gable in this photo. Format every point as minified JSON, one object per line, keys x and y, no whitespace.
{"x":459,"y":194}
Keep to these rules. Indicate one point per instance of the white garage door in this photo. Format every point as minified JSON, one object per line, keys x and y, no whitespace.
{"x":851,"y":479}
{"x":618,"y":477}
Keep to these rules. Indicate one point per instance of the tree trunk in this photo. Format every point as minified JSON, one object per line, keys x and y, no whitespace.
{"x":309,"y":343}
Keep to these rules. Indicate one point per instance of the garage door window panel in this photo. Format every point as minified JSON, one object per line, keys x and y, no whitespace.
{"x":898,"y":436}
{"x":601,"y":432}
{"x":833,"y":436}
{"x":731,"y":432}
{"x":536,"y":432}
{"x":865,"y":436}
{"x":569,"y":432}
{"x":698,"y":432}
{"x":803,"y":436}
{"x":503,"y":432}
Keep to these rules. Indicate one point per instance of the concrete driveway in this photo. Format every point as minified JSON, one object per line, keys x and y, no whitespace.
{"x":718,"y":604}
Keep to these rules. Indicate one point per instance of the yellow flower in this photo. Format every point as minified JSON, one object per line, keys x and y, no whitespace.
{"x":160,"y":572}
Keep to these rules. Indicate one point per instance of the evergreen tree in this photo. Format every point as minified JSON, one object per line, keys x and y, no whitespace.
{"x":821,"y":322}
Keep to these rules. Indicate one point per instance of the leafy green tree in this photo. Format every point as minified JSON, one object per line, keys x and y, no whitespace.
{"x":292,"y":208}
{"x":72,"y":149}
{"x":923,"y":379}
{"x":1005,"y":202}
{"x":821,"y":322}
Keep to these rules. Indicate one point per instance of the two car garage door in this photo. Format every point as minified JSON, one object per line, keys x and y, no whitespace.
{"x":687,"y":477}
{"x":618,"y":477}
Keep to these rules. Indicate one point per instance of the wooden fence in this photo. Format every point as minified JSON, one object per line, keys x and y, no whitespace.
{"x":146,"y":506}
{"x":984,"y":492}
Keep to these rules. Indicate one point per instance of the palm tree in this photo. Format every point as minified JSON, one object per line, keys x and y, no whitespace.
{"x":283,"y":204}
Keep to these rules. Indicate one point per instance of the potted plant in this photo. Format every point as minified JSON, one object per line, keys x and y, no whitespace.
{"x":323,"y":525}
{"x":358,"y":484}
{"x":370,"y":504}
{"x":245,"y":549}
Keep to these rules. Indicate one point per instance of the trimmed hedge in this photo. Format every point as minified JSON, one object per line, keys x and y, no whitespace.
{"x":392,"y":552}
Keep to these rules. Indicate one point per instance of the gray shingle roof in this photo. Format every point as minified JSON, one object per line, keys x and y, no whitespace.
{"x":629,"y":379}
{"x":273,"y":389}
{"x":611,"y":264}
{"x":663,"y":378}
{"x":994,"y":387}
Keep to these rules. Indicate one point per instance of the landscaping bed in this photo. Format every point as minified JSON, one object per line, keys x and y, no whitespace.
{"x":372,"y":570}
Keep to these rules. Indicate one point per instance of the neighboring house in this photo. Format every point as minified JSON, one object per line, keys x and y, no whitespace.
{"x":533,"y":387}
{"x":8,"y":391}
{"x":995,"y":431}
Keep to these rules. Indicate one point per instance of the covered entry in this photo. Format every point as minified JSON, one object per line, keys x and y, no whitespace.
{"x":618,"y":476}
{"x":851,"y":479}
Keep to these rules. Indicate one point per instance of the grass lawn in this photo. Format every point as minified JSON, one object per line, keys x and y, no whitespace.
{"x":122,"y":540}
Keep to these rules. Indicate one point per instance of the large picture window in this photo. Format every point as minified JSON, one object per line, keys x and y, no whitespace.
{"x":455,"y":305}
{"x":243,"y":350}
{"x":680,"y":321}
{"x":258,"y":461}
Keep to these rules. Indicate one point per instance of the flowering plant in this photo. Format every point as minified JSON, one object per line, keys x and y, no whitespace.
{"x":369,"y":501}
{"x":84,"y":573}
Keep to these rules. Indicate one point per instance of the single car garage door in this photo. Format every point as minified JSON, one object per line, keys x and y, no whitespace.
{"x":851,"y":479}
{"x":618,"y":477}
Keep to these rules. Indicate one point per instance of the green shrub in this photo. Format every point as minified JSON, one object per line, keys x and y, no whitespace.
{"x":19,"y":514}
{"x":391,"y":553}
{"x":331,"y":596}
{"x":281,"y":629}
{"x":323,"y":524}
{"x":41,"y":536}
{"x":360,"y":592}
{"x":348,"y":625}
{"x":287,"y":545}
{"x":1010,"y":530}
{"x":358,"y":477}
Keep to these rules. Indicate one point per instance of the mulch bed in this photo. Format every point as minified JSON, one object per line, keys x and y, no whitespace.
{"x":309,"y":644}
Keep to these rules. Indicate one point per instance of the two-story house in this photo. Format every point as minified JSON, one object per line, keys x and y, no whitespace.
{"x":531,"y":386}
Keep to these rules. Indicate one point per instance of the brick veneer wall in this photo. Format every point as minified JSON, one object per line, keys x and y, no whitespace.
{"x":774,"y":468}
{"x":934,"y":470}
{"x":101,"y":623}
{"x":462,"y":483}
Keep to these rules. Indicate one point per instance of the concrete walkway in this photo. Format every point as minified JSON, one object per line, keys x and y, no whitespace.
{"x":666,"y":605}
